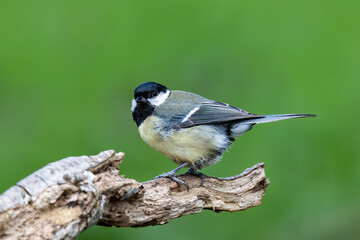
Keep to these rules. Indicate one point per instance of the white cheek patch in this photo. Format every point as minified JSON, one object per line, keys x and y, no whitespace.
{"x":159,"y":99}
{"x":133,"y":105}
{"x":190,"y":114}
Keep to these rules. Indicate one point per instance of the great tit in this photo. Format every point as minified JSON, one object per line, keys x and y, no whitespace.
{"x":191,"y":130}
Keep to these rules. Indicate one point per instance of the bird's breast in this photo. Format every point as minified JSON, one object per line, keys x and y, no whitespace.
{"x":188,"y":145}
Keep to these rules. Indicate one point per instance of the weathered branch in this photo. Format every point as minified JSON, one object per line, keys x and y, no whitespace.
{"x":65,"y":197}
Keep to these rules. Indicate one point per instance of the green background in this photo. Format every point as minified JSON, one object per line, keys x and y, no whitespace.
{"x":68,"y":70}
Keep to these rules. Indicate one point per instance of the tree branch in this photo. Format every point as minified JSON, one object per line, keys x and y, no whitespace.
{"x":65,"y":197}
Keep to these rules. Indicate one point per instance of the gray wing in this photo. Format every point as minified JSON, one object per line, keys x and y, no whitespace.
{"x":211,"y":113}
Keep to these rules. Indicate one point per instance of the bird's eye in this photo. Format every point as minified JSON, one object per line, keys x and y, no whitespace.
{"x":153,"y":94}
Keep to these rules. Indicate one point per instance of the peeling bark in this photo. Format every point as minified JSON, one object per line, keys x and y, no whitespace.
{"x":66,"y":197}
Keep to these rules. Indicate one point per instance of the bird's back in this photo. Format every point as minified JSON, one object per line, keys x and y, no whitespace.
{"x":179,"y":103}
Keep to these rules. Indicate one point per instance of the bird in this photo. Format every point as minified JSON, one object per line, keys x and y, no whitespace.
{"x":191,"y":130}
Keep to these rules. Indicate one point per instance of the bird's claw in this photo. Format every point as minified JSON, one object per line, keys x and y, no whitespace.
{"x":180,"y":182}
{"x":193,"y":171}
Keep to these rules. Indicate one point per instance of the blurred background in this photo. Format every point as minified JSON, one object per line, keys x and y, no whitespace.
{"x":68,"y":70}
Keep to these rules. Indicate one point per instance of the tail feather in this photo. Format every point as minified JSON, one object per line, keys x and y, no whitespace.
{"x":275,"y":117}
{"x":243,"y":126}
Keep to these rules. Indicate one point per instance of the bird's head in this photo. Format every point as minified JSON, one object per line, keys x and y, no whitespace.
{"x":147,"y":96}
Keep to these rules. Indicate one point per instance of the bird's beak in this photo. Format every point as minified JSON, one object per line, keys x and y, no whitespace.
{"x":140,"y":99}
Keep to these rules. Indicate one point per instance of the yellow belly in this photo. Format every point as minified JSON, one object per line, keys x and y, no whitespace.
{"x":189,"y":145}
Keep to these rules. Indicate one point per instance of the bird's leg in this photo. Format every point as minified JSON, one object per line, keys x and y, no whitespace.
{"x":172,"y":172}
{"x":171,"y":175}
{"x":193,"y":171}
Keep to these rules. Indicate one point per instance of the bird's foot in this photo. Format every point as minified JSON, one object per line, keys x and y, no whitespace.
{"x":172,"y":176}
{"x":193,"y":171}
